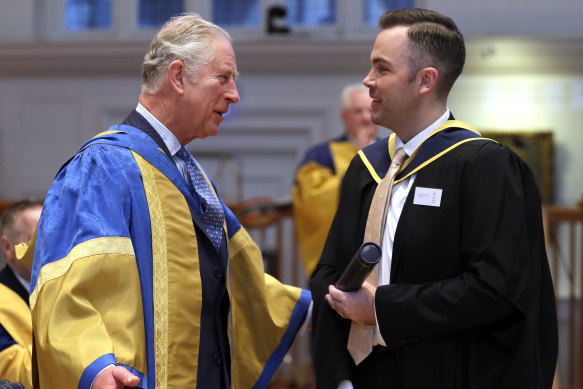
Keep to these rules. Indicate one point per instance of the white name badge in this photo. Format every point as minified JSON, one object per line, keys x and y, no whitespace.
{"x":427,"y":196}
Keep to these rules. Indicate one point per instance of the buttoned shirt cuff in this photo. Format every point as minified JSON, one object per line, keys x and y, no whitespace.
{"x":345,"y":385}
{"x":306,"y":320}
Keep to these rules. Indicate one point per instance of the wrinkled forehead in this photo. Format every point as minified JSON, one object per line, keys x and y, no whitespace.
{"x":222,"y":49}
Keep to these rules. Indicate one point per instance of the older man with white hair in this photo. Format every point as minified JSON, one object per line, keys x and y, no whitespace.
{"x":142,"y":276}
{"x":317,"y":181}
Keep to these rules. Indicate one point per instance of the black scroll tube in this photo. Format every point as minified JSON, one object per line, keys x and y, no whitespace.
{"x":360,"y":266}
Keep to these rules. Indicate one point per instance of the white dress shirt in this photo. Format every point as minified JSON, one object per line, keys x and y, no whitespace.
{"x":399,"y":194}
{"x":398,"y":197}
{"x":168,"y":138}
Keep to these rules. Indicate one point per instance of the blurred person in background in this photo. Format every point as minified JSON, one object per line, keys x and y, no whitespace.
{"x":17,"y":225}
{"x":317,"y":181}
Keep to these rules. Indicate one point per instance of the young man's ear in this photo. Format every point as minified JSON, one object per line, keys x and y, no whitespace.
{"x":427,"y":79}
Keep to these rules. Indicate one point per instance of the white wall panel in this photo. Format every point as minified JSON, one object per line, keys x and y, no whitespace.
{"x":37,"y":141}
{"x":264,"y":143}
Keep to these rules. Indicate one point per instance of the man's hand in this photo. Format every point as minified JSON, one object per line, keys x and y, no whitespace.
{"x":357,"y":306}
{"x":365,"y":135}
{"x":115,"y":377}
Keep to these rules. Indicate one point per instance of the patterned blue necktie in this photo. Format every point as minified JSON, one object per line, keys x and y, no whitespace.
{"x":213,"y":216}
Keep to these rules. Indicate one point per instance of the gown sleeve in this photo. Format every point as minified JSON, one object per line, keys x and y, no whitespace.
{"x":86,"y":297}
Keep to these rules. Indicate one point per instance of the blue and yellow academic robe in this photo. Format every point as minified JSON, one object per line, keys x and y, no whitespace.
{"x":116,"y":276}
{"x":315,"y":195}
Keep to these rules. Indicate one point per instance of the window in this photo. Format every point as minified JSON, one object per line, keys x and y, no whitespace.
{"x":153,"y":13}
{"x":373,"y":9}
{"x":243,"y":13}
{"x":311,"y":13}
{"x":87,"y":14}
{"x":136,"y":19}
{"x":247,"y":13}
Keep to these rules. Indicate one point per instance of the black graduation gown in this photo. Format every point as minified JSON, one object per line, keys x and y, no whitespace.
{"x":471,"y":302}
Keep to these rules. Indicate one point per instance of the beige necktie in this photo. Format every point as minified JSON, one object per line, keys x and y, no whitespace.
{"x":361,"y":337}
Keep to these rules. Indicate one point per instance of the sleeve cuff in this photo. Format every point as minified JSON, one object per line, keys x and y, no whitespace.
{"x":307,"y":319}
{"x":377,"y":334}
{"x":93,"y":370}
{"x":345,"y":385}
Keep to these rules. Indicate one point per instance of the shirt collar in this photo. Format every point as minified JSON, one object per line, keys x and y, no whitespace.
{"x":418,"y":139}
{"x":167,"y":136}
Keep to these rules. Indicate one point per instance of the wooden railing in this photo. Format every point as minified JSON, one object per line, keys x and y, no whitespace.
{"x":564,"y":240}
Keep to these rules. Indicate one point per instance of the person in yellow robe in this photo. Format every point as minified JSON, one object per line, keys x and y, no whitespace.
{"x":17,"y":224}
{"x":317,"y":181}
{"x":142,"y":277}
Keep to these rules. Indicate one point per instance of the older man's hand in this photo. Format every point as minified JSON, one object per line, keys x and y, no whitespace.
{"x":115,"y":377}
{"x":357,"y":306}
{"x":365,"y":135}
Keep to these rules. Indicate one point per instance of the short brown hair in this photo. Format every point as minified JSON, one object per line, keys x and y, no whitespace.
{"x":435,"y":41}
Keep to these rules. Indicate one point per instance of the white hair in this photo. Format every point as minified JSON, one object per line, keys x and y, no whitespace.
{"x":345,"y":97}
{"x":186,"y":38}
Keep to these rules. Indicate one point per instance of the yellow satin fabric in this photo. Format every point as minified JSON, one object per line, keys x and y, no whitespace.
{"x":261,"y":309}
{"x":177,"y":284}
{"x":23,"y":254}
{"x":77,"y":319}
{"x":260,"y":305}
{"x":16,"y":360}
{"x":315,"y":198}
